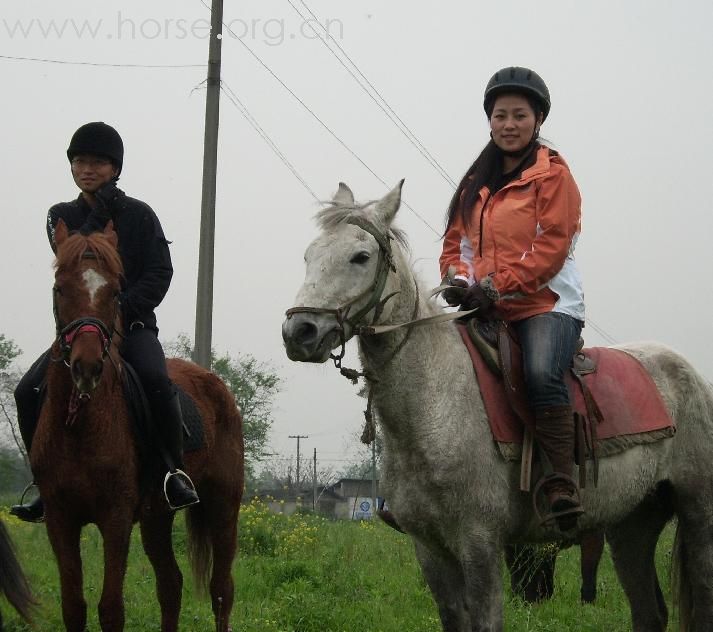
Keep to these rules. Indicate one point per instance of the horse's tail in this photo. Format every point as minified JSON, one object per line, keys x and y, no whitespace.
{"x":200,"y":551}
{"x":13,"y":583}
{"x":681,"y":582}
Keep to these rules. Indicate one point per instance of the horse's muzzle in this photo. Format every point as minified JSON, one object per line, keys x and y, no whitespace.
{"x":86,"y":374}
{"x":310,"y":337}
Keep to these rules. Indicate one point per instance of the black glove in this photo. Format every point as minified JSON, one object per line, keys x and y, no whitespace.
{"x":454,"y":294}
{"x":108,"y":194}
{"x":475,"y":296}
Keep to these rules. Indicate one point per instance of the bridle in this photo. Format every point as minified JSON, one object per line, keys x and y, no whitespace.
{"x":67,"y":334}
{"x":374,"y":291}
{"x":384,"y":265}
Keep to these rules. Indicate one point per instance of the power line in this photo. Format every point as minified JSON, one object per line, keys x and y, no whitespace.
{"x":240,"y":106}
{"x":608,"y":338}
{"x":104,"y":65}
{"x":322,"y":123}
{"x":381,"y":102}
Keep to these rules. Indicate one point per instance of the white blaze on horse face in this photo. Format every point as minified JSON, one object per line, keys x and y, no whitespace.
{"x":93,"y":282}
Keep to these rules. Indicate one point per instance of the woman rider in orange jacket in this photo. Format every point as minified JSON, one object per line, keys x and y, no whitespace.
{"x":509,"y":244}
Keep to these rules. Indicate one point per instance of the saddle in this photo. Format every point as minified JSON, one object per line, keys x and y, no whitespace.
{"x":616,"y":402}
{"x":142,"y":419}
{"x":499,"y":347}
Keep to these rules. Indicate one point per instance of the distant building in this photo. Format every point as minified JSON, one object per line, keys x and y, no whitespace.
{"x":347,"y":499}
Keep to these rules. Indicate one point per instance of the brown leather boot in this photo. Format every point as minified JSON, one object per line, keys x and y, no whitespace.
{"x":554,"y":431}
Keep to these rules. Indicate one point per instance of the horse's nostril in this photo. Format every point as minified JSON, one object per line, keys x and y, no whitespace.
{"x":305,"y":333}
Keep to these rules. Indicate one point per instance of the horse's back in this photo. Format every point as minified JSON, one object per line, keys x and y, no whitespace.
{"x":222,"y":421}
{"x":684,"y":391}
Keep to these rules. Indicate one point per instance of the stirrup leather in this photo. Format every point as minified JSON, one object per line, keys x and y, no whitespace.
{"x":188,"y":481}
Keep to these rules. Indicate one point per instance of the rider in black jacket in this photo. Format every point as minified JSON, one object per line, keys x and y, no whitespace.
{"x":96,"y":154}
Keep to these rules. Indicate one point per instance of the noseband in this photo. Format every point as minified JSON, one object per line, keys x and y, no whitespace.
{"x":67,"y":335}
{"x":384,"y":264}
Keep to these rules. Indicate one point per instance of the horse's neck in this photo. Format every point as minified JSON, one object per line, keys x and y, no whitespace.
{"x":428,"y":383}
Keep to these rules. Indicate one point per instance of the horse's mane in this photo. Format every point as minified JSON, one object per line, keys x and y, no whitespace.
{"x":335,"y":214}
{"x":76,"y":245}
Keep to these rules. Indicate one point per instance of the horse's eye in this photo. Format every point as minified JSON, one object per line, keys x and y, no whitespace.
{"x":360,"y":257}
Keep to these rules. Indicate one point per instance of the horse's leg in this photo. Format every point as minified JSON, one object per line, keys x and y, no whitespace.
{"x":63,"y":534}
{"x":591,"y":547}
{"x":633,"y":546}
{"x":532,"y":571}
{"x":483,"y":585}
{"x":116,"y":533}
{"x":444,"y":577}
{"x":223,"y":528}
{"x":695,"y":565}
{"x":156,"y":538}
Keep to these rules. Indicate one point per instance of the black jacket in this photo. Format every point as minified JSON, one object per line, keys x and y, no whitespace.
{"x":142,"y":246}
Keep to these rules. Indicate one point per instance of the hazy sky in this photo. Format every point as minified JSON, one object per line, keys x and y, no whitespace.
{"x":631,"y":86}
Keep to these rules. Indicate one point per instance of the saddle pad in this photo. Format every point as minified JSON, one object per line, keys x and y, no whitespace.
{"x":142,"y":420}
{"x":192,"y":422}
{"x":625,"y":393}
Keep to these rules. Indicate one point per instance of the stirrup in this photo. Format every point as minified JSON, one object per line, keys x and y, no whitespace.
{"x":187,"y":480}
{"x":21,"y":505}
{"x":567,"y":515}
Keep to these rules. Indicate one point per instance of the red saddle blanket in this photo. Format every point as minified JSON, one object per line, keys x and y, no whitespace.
{"x":626,"y":395}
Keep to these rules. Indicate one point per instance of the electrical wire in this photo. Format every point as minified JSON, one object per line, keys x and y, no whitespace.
{"x":103,"y":65}
{"x":322,"y":123}
{"x":240,"y":106}
{"x":381,"y":101}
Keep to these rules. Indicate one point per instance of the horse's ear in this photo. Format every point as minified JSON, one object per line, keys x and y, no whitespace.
{"x":387,"y":206}
{"x":60,"y":232}
{"x":344,"y":196}
{"x":110,"y":233}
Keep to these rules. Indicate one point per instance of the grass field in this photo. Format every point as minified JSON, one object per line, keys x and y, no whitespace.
{"x":306,"y":574}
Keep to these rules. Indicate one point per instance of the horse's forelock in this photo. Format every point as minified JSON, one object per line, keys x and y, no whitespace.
{"x":335,"y":214}
{"x":71,"y":251}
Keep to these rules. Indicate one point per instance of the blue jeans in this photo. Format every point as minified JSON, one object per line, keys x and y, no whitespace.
{"x":548,"y":344}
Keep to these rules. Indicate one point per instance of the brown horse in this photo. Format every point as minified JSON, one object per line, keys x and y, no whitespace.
{"x":85,"y":457}
{"x":532,"y":568}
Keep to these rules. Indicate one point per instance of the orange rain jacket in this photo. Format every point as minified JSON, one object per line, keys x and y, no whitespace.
{"x":530,"y":228}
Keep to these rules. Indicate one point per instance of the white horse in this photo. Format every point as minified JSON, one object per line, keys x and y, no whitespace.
{"x":446,"y":482}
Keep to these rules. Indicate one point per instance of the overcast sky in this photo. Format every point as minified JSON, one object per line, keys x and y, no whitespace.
{"x":631,"y":86}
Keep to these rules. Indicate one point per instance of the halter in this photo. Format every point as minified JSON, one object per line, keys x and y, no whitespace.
{"x":384,"y":265}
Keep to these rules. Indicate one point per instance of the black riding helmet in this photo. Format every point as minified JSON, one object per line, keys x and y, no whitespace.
{"x":99,"y":139}
{"x":516,"y":79}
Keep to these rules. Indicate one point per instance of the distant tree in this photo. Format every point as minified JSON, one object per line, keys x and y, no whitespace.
{"x":8,"y":352}
{"x":279,"y":473}
{"x":360,"y":467}
{"x":13,"y":459}
{"x":254,"y":385}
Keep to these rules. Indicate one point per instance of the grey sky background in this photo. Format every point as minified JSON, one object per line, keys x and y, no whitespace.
{"x":631,"y":86}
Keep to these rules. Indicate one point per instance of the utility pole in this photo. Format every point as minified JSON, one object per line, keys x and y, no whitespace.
{"x":314,"y":481}
{"x":204,"y":293}
{"x":373,"y":479}
{"x":298,"y":437}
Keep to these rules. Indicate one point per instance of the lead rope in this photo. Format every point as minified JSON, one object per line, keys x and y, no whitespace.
{"x":76,"y":400}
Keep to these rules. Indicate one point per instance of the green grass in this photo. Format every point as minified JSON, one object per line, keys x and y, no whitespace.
{"x":306,"y":574}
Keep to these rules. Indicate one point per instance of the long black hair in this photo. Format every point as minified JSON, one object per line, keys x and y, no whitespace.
{"x":485,"y":170}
